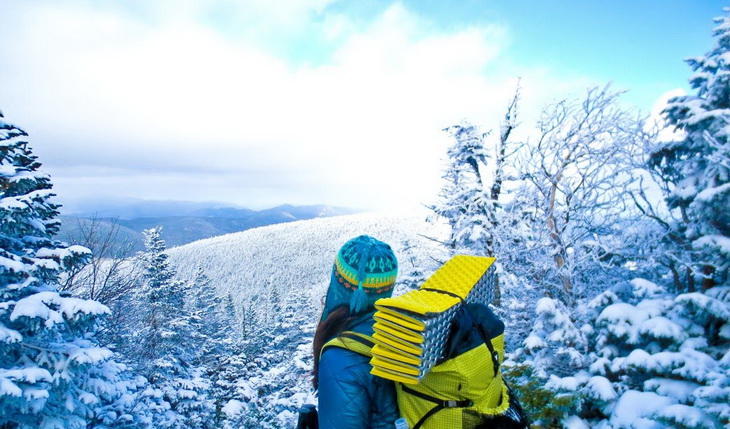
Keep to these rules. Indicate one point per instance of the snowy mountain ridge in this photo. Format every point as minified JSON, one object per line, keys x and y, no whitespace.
{"x":300,"y":254}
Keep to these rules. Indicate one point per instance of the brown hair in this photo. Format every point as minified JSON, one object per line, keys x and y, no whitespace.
{"x":337,"y":321}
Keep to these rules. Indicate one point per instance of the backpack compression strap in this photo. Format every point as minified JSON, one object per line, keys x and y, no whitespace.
{"x":440,"y":403}
{"x":353,"y":341}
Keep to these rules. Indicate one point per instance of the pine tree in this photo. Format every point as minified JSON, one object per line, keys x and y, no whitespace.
{"x":469,"y":200}
{"x":207,"y":319}
{"x":164,"y":340}
{"x":53,"y":374}
{"x":646,"y":346}
{"x":694,"y":171}
{"x":162,"y":301}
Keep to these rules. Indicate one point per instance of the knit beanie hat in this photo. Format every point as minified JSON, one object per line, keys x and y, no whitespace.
{"x":364,"y":271}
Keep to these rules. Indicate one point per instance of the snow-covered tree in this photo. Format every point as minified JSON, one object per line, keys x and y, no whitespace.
{"x":575,"y":187}
{"x":644,"y":360}
{"x":109,"y":274}
{"x":162,"y":342}
{"x":53,"y":374}
{"x":465,"y":202}
{"x":209,"y":326}
{"x":275,"y":381}
{"x":470,"y":196}
{"x":162,"y":301}
{"x":473,"y":185}
{"x":694,"y":171}
{"x":555,"y":342}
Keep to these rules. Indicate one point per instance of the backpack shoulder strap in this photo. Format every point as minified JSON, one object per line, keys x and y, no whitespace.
{"x":353,"y":341}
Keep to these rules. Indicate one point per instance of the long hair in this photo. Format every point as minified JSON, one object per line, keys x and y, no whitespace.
{"x":337,"y":321}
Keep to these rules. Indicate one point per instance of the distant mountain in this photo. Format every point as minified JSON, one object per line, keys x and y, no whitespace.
{"x":184,"y":222}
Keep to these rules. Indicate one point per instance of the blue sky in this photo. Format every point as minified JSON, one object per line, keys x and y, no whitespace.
{"x":310,"y":101}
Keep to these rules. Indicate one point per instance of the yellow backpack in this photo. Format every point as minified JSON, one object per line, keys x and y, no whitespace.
{"x":465,"y":390}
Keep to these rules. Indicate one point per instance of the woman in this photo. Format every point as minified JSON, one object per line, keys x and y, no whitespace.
{"x":350,"y":397}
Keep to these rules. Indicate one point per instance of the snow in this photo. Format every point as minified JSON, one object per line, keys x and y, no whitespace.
{"x":688,"y":416}
{"x":645,"y":289}
{"x":52,"y":308}
{"x":533,"y":342}
{"x":600,"y":366}
{"x":705,"y":303}
{"x":62,"y":253}
{"x":709,"y":193}
{"x":234,"y":408}
{"x":36,"y":306}
{"x":719,"y":242}
{"x":662,"y":328}
{"x":725,"y":332}
{"x":685,"y":190}
{"x":8,"y":388}
{"x":276,"y":251}
{"x":12,"y":204}
{"x":622,"y":320}
{"x":621,"y":313}
{"x":602,"y":300}
{"x":637,"y":358}
{"x":681,"y":390}
{"x":575,"y":422}
{"x":88,"y":398}
{"x":546,"y":305}
{"x":689,"y":364}
{"x":694,"y":343}
{"x":634,"y":407}
{"x":46,"y":264}
{"x":11,"y":264}
{"x":30,"y":375}
{"x":7,"y":170}
{"x":565,"y":383}
{"x":93,"y":355}
{"x":9,"y":335}
{"x":601,"y":388}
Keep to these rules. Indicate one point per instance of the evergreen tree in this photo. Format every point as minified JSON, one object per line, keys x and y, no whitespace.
{"x":207,"y":319}
{"x":694,"y":171}
{"x":164,"y":340}
{"x":469,"y":201}
{"x":53,"y":374}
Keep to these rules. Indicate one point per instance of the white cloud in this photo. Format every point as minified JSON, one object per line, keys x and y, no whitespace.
{"x":177,"y":107}
{"x":666,"y":133}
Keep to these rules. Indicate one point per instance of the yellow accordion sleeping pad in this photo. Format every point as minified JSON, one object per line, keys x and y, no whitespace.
{"x":412,"y":329}
{"x":437,"y":387}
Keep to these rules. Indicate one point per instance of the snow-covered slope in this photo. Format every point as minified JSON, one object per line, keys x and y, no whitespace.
{"x":300,"y":254}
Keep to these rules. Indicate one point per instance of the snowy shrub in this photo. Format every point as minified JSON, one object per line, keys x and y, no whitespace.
{"x":647,"y":362}
{"x":545,"y":407}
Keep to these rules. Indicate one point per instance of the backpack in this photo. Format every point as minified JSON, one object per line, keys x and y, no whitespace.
{"x":464,"y":389}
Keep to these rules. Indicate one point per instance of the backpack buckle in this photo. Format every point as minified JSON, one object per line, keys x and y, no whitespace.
{"x":457,"y":404}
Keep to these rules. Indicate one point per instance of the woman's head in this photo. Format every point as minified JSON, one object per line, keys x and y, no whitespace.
{"x":364,"y":271}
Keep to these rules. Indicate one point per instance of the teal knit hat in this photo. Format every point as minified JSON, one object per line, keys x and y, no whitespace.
{"x":364,"y":271}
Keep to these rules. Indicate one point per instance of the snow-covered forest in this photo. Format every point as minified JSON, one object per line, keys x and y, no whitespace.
{"x":613,"y":247}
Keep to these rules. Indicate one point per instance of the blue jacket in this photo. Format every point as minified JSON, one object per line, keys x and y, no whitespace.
{"x":349,"y":396}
